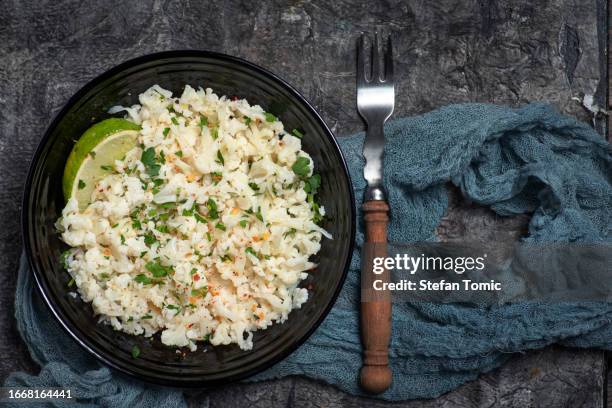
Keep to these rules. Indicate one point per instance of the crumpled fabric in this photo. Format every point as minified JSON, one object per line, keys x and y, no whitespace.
{"x":527,"y":160}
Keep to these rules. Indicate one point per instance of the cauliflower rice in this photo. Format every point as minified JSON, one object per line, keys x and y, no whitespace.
{"x":204,"y":230}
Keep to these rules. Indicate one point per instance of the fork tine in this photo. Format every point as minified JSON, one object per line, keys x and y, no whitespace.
{"x":375,"y":60}
{"x":389,"y":61}
{"x":361,"y":78}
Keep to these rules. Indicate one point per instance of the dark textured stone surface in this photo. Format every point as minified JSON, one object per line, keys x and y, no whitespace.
{"x":507,"y":52}
{"x":551,"y":378}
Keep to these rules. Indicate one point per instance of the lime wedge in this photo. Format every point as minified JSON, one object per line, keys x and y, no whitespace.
{"x":93,"y":156}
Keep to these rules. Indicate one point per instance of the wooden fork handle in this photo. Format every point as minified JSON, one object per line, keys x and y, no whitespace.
{"x":376,"y":315}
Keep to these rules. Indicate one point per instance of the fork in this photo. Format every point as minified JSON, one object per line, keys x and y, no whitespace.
{"x":375,"y":103}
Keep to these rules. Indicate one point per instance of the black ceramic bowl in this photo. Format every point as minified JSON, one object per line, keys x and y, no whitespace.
{"x":43,"y":202}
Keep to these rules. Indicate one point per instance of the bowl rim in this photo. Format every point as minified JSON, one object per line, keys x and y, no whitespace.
{"x":39,"y":275}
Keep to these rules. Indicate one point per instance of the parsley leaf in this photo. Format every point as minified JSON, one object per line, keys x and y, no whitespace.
{"x":174,"y":307}
{"x":220,"y":158}
{"x":254,"y":186}
{"x":149,"y":239}
{"x":158,"y":270}
{"x":297,"y":133}
{"x":166,"y":131}
{"x":269,"y":117}
{"x":199,"y":292}
{"x":220,"y":226}
{"x":251,"y":251}
{"x":81,"y":185}
{"x":142,"y":278}
{"x":214,"y":133}
{"x":312,"y":184}
{"x":135,"y":351}
{"x":212,"y":209}
{"x":301,"y":167}
{"x":203,"y":121}
{"x":149,"y":160}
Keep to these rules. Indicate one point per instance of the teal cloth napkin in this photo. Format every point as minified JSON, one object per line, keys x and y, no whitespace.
{"x":527,"y":160}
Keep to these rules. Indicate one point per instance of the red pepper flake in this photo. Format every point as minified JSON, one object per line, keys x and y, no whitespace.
{"x":196,"y":277}
{"x":190,"y":325}
{"x":234,"y":98}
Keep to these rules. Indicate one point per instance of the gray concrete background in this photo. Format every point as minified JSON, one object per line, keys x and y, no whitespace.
{"x":501,"y":51}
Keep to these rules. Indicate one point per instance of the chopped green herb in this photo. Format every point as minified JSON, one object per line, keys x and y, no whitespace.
{"x":107,"y":167}
{"x":164,"y":217}
{"x":158,"y":270}
{"x":254,"y":186}
{"x":92,"y":154}
{"x":152,"y":212}
{"x":162,"y":157}
{"x":193,"y":271}
{"x":81,"y":185}
{"x":142,"y":278}
{"x":163,"y":228}
{"x":301,"y":167}
{"x":316,"y":215}
{"x":146,"y":317}
{"x":208,"y":236}
{"x":220,"y":226}
{"x":174,"y":307}
{"x":243,"y":223}
{"x":122,"y":240}
{"x":290,"y":233}
{"x":247,"y":120}
{"x":212,"y":209}
{"x":199,"y":292}
{"x":71,"y":282}
{"x":179,"y":153}
{"x":214,"y":133}
{"x":297,"y":133}
{"x":226,"y":258}
{"x":269,"y":117}
{"x":174,"y":121}
{"x":166,"y":131}
{"x":199,"y":218}
{"x":258,"y":215}
{"x":168,"y":205}
{"x":251,"y":251}
{"x":206,"y":338}
{"x":189,"y":212}
{"x":114,"y":225}
{"x":149,"y":239}
{"x":220,"y":158}
{"x":135,"y":351}
{"x":64,"y":258}
{"x":104,"y":276}
{"x":136,"y":224}
{"x":203,"y":121}
{"x":312,"y":184}
{"x":150,"y":162}
{"x":158,"y":182}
